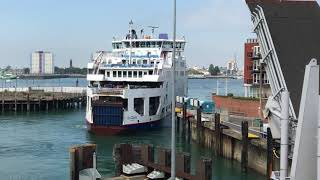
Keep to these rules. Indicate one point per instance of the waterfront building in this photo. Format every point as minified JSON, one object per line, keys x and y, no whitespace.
{"x":232,"y":67}
{"x":253,"y":70}
{"x":42,"y":63}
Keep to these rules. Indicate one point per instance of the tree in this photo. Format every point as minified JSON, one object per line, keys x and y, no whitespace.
{"x":211,"y":69}
{"x":26,"y":70}
{"x":216,"y":70}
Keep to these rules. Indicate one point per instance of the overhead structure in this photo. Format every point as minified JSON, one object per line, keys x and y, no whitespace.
{"x":288,"y":33}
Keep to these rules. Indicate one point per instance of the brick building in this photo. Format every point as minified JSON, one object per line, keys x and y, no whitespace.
{"x":253,"y":71}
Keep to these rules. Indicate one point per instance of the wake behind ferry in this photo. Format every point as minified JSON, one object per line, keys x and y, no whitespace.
{"x":129,"y":88}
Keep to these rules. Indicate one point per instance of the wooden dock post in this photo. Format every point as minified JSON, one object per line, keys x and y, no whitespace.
{"x":47,"y":105}
{"x":245,"y":141}
{"x":269,"y":153}
{"x":204,"y":170}
{"x":217,"y":134}
{"x":199,"y":126}
{"x":81,"y":157}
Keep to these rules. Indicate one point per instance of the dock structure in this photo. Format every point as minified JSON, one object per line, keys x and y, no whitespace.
{"x":40,"y":99}
{"x":243,"y":144}
{"x":151,"y":159}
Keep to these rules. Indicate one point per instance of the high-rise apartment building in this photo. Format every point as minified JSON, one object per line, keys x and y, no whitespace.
{"x":42,"y":63}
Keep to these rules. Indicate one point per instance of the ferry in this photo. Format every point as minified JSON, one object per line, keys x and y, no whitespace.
{"x":130,"y":87}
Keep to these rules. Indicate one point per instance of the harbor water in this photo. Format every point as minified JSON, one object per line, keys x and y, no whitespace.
{"x":35,"y":145}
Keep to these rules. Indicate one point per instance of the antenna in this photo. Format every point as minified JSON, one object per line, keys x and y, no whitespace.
{"x":152,"y":29}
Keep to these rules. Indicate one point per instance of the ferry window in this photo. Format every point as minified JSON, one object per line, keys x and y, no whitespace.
{"x":153,"y":44}
{"x":119,"y":73}
{"x":153,"y":105}
{"x":108,"y":73}
{"x":138,"y":61}
{"x":159,"y":44}
{"x":145,"y":73}
{"x":143,"y":44}
{"x":113,"y":46}
{"x":151,"y":62}
{"x":145,"y":61}
{"x":135,"y":73}
{"x":148,"y":44}
{"x":124,"y":61}
{"x":140,"y":74}
{"x":150,"y":72}
{"x":127,"y":44}
{"x":124,"y":73}
{"x":137,"y":44}
{"x":114,"y":73}
{"x":133,"y":61}
{"x":139,"y":105}
{"x":129,"y":74}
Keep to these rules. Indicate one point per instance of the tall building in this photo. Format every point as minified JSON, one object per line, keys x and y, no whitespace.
{"x":232,"y":67}
{"x":253,"y":70}
{"x":70,"y":64}
{"x":42,"y":63}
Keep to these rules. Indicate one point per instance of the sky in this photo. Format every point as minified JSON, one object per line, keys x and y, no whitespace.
{"x":215,"y":30}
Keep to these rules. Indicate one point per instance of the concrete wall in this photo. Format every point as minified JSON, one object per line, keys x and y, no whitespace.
{"x":231,"y":142}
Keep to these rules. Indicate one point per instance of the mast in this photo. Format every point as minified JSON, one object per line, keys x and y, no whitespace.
{"x":130,"y":29}
{"x":173,"y":118}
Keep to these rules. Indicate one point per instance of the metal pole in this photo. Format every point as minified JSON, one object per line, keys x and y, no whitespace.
{"x":173,"y":130}
{"x":318,"y":155}
{"x":226,"y":86}
{"x":217,"y":86}
{"x":284,"y":135}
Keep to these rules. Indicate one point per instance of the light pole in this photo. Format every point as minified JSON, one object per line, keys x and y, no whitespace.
{"x":173,"y":118}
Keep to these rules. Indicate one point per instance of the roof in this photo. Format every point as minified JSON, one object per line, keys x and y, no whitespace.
{"x":295,"y":30}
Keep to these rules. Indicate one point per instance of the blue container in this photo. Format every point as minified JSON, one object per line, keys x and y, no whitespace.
{"x":208,"y":107}
{"x":163,"y":36}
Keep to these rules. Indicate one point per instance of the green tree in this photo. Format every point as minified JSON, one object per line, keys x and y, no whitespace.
{"x":211,"y":69}
{"x":216,"y":70}
{"x":26,"y":70}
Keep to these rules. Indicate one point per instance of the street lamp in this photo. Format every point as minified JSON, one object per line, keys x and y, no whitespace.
{"x":173,"y":117}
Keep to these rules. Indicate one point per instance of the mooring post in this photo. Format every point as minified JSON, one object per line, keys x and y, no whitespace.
{"x":47,"y":105}
{"x":81,"y":157}
{"x":269,"y":153}
{"x":199,"y":125}
{"x":117,"y":159}
{"x":217,"y":134}
{"x":28,"y":102}
{"x":244,"y":152}
{"x":204,"y":170}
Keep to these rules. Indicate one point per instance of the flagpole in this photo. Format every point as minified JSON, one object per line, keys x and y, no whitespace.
{"x":173,"y":115}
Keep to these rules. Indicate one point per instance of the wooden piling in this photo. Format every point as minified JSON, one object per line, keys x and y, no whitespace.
{"x":245,"y":141}
{"x":204,"y":170}
{"x":199,"y":126}
{"x":269,"y":153}
{"x":81,"y":157}
{"x":217,"y":134}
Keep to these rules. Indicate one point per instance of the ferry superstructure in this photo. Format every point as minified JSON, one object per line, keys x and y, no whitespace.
{"x":130,"y":86}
